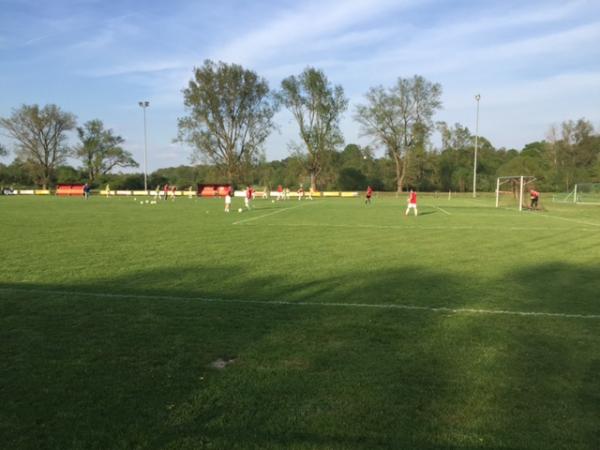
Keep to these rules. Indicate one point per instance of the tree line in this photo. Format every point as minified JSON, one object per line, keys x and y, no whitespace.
{"x":229,"y":114}
{"x":40,"y":136}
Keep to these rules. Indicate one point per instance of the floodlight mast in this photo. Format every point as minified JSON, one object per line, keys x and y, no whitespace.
{"x":477,"y":98}
{"x":144,"y":105}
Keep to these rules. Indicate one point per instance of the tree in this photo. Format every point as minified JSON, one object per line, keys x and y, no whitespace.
{"x":68,"y":175}
{"x":16,"y":174}
{"x":572,"y":152}
{"x":350,"y":179}
{"x":456,"y":157}
{"x":229,"y":116}
{"x":534,"y":149}
{"x":40,"y":134}
{"x":3,"y":151}
{"x":317,"y":108}
{"x":100,"y":150}
{"x":400,"y":118}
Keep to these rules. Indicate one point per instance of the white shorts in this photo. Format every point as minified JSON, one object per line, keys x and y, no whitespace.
{"x":228,"y":200}
{"x":412,"y":206}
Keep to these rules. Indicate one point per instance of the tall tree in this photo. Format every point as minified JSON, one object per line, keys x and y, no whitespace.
{"x":40,"y":134}
{"x":572,"y":152}
{"x":317,"y":107}
{"x":3,"y":151}
{"x":400,"y":118}
{"x":100,"y":150}
{"x":456,"y":158}
{"x":230,"y":114}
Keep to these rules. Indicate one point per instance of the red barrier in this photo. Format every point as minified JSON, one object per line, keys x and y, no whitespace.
{"x":213,"y":190}
{"x":70,"y":189}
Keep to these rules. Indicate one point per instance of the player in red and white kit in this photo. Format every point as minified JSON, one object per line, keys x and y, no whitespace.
{"x":249,"y":196}
{"x":228,"y":198}
{"x":368,"y":196}
{"x":412,"y":202}
{"x":279,"y":192}
{"x":300,"y":193}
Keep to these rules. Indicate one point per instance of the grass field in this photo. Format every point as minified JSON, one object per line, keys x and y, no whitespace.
{"x":340,"y":325}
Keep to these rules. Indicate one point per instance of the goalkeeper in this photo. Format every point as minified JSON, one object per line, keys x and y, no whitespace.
{"x":534,"y":196}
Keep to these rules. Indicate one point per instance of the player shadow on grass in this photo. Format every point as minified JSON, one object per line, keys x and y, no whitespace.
{"x":314,"y":376}
{"x":427,"y":212}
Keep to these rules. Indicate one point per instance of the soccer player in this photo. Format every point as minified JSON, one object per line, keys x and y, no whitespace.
{"x":300,"y":193}
{"x":173,"y":189}
{"x":249,"y":196}
{"x":157,"y":192}
{"x":535,"y":196}
{"x":107,"y":190}
{"x":86,"y":191}
{"x":279,"y":192}
{"x":228,"y":199}
{"x":412,"y":202}
{"x":165,"y":191}
{"x":368,"y":196}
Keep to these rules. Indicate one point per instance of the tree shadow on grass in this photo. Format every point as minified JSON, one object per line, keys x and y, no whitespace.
{"x":108,"y":372}
{"x":559,"y":287}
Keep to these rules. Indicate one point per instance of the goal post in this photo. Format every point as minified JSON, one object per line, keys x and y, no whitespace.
{"x":565,"y":197}
{"x":587,"y":193}
{"x":581,"y":194}
{"x":516,"y":189}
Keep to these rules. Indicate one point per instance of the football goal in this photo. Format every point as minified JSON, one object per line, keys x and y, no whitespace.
{"x":582,"y":194}
{"x":510,"y":191}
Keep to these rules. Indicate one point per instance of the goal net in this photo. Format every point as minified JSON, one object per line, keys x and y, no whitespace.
{"x":582,"y":193}
{"x":512,"y":192}
{"x":565,"y":197}
{"x":587,"y":193}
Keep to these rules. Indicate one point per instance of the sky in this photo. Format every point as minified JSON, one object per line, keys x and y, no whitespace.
{"x":534,"y":63}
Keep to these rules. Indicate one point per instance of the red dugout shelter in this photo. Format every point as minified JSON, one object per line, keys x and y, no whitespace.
{"x":213,"y":190}
{"x":70,"y":189}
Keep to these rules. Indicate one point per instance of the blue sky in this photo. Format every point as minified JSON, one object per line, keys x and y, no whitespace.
{"x":534,"y":63}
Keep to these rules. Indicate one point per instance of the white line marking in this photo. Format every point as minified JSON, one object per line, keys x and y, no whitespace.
{"x":413,"y":227}
{"x":439,"y":309}
{"x":443,"y":210}
{"x":266,"y":215}
{"x":572,"y":220}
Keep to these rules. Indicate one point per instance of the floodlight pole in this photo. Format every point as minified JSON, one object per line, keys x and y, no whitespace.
{"x":144,"y":105}
{"x":477,"y":97}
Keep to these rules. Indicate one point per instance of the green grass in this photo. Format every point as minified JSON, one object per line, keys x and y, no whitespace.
{"x":107,"y":335}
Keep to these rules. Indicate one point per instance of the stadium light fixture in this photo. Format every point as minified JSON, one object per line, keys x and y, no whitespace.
{"x":477,"y":98}
{"x":144,"y":105}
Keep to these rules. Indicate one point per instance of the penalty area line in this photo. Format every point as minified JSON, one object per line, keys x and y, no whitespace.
{"x":265,"y":215}
{"x":443,"y":210}
{"x":550,"y":216}
{"x":566,"y":219}
{"x":431,"y":309}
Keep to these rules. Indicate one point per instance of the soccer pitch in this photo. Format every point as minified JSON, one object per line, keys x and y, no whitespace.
{"x":305,"y":325}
